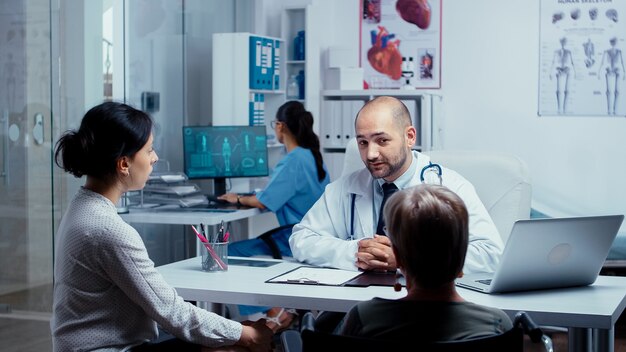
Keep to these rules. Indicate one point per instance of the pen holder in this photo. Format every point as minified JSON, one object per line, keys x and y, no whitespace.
{"x":215,"y":256}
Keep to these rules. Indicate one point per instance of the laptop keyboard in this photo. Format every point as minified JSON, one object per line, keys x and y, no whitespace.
{"x":484,"y":281}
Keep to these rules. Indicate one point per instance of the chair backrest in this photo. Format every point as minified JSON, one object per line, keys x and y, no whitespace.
{"x":309,"y":340}
{"x":313,"y":341}
{"x":501,"y":180}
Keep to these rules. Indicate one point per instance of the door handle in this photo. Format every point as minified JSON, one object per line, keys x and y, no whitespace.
{"x":38,"y":129}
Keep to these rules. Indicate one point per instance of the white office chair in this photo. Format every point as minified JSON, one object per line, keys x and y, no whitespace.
{"x":502,"y":180}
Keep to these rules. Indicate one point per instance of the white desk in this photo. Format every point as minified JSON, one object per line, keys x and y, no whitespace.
{"x":175,"y":216}
{"x":181,"y":217}
{"x":589,"y":312}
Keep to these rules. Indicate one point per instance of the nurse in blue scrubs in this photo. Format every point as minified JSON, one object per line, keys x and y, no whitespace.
{"x":296,"y":183}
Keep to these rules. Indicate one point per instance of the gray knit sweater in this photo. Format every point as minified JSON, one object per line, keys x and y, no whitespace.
{"x":107,"y":294}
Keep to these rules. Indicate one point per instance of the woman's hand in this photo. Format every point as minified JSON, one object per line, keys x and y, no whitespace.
{"x":229,"y":197}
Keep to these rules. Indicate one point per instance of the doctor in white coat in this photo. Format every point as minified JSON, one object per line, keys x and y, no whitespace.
{"x":340,"y":229}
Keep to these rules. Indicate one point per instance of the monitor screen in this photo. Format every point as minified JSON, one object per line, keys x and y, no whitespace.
{"x":225,"y":151}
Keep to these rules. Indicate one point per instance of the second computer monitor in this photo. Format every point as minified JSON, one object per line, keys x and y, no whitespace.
{"x":220,"y":152}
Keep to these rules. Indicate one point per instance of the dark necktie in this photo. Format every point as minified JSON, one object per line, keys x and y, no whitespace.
{"x":388,"y":190}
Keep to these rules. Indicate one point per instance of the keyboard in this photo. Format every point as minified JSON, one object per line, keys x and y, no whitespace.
{"x":213,"y":199}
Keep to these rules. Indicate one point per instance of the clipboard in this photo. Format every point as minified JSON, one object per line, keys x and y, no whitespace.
{"x":376,"y":278}
{"x":312,"y":275}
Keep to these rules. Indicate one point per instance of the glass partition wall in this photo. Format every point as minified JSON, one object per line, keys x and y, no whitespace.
{"x":58,"y":58}
{"x":26,"y":122}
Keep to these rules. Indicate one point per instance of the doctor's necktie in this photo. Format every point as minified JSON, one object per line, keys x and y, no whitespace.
{"x":388,"y":190}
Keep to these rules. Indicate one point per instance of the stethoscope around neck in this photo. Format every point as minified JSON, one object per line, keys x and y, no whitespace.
{"x":430,"y":174}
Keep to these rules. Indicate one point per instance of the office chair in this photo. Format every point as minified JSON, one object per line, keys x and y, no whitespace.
{"x":269,"y":240}
{"x":502,"y":180}
{"x":309,"y":340}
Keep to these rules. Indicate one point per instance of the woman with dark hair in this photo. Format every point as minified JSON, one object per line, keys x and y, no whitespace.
{"x":107,"y":292}
{"x":296,"y":183}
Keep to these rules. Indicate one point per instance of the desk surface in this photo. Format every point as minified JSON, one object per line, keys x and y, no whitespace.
{"x":182,"y":217}
{"x":597,"y":306}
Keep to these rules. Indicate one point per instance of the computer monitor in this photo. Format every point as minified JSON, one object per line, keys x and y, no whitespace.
{"x":220,"y":152}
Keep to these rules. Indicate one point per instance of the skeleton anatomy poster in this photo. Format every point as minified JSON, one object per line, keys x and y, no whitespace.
{"x":582,"y":67}
{"x":401,"y":43}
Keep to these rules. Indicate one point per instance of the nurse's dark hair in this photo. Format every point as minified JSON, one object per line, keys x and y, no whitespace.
{"x":299,"y":121}
{"x":107,"y":132}
{"x":428,"y":226}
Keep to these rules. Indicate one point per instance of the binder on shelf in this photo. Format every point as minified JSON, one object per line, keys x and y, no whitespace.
{"x":256,"y":59}
{"x":269,"y":74}
{"x":327,"y":124}
{"x":256,"y":112}
{"x":251,"y":108}
{"x":276,"y":65}
{"x":350,"y":109}
{"x":330,"y":127}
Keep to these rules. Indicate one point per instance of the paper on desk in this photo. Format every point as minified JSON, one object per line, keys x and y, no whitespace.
{"x":315,"y":276}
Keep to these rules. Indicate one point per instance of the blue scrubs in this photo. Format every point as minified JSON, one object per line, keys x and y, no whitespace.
{"x":292,"y":190}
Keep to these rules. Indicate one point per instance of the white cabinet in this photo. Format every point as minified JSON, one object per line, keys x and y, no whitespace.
{"x":340,"y":107}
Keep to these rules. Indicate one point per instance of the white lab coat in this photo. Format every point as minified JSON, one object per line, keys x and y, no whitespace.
{"x":323,"y":236}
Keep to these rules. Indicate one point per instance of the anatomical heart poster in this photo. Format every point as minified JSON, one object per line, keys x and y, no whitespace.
{"x":401,"y":43}
{"x":580,"y":56}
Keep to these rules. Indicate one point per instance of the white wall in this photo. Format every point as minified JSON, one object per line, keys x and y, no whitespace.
{"x":490,"y":86}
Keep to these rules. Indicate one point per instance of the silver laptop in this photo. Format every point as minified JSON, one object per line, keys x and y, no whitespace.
{"x":550,"y":253}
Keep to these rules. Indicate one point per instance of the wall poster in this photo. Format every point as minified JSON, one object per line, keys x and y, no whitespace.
{"x":581,"y":65}
{"x":401,"y":43}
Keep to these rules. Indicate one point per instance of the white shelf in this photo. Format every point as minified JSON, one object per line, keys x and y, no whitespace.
{"x":367,"y":93}
{"x":266,"y":91}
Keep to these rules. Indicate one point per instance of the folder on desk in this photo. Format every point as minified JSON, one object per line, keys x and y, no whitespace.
{"x":376,"y":278}
{"x":312,"y":275}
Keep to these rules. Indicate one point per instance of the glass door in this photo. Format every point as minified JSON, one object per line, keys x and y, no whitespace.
{"x":57,"y":59}
{"x":26,"y":124}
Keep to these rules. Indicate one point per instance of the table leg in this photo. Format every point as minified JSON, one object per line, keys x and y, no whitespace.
{"x":604,"y":340}
{"x":217,"y":308}
{"x":579,"y":340}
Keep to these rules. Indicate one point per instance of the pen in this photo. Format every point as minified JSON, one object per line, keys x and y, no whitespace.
{"x":202,"y":238}
{"x":220,"y":234}
{"x":209,"y":248}
{"x":227,"y":234}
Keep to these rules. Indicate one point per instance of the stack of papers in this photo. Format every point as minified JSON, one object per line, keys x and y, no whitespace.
{"x":181,"y":190}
